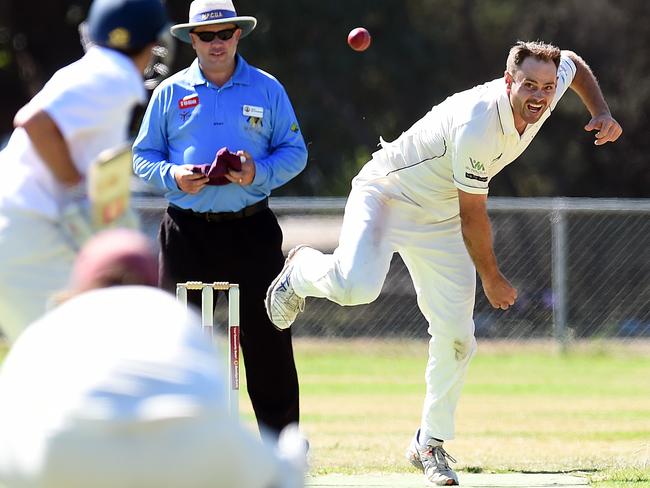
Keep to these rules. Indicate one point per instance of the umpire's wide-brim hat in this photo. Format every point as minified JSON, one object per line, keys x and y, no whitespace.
{"x":212,"y":12}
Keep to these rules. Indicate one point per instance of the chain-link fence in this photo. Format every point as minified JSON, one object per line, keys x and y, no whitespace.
{"x":581,"y":268}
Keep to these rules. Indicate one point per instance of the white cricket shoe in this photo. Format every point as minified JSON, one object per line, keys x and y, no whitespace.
{"x":431,"y":458}
{"x":282,"y":303}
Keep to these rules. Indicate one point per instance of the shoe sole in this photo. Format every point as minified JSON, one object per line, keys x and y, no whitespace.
{"x":269,"y":291}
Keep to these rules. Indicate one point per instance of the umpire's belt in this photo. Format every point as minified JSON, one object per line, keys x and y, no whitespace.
{"x":224,"y":216}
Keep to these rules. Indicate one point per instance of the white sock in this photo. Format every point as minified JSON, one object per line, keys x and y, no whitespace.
{"x":424,"y":440}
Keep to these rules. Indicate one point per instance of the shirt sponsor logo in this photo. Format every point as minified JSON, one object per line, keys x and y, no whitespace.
{"x":188,"y":102}
{"x":255,"y":122}
{"x":476,"y":177}
{"x":253,"y":111}
{"x":477,"y":165}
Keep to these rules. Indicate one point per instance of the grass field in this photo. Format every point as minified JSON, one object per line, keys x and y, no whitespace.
{"x":524,"y":408}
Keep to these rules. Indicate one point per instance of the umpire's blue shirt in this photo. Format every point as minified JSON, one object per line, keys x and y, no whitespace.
{"x":189,"y":119}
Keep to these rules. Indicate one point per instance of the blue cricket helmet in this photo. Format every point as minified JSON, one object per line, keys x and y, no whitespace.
{"x":126,"y":25}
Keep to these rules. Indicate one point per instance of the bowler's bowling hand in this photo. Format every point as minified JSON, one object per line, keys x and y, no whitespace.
{"x":188,"y":180}
{"x":608,"y":128}
{"x":499,"y":292}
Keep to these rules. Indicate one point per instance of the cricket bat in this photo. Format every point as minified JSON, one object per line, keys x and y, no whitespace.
{"x":109,"y":185}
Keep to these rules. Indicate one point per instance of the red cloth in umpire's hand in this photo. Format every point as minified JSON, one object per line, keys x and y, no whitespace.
{"x":223,"y":162}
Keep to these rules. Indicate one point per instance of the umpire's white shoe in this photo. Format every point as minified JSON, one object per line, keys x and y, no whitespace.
{"x":431,"y":458}
{"x":282,"y":303}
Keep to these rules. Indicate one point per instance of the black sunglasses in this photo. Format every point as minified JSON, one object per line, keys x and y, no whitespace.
{"x":222,"y":35}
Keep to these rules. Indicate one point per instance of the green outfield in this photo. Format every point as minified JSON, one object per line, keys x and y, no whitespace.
{"x":525,"y":408}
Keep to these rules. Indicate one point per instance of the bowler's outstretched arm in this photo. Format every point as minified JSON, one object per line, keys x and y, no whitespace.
{"x":586,"y":86}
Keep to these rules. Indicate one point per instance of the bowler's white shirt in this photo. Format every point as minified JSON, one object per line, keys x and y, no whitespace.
{"x":462,"y":143}
{"x":90,"y":101}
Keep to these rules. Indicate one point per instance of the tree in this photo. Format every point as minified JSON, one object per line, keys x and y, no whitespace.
{"x":422,"y":51}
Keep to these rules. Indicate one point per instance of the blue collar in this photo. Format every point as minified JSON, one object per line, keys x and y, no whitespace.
{"x":241,"y":76}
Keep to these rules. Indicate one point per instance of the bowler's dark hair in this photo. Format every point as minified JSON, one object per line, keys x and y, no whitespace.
{"x":537,"y":49}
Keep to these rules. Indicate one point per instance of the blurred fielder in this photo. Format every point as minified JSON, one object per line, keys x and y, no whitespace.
{"x":81,"y":112}
{"x":425,"y":197}
{"x":128,"y":393}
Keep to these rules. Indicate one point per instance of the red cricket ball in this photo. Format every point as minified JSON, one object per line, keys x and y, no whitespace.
{"x":359,"y":39}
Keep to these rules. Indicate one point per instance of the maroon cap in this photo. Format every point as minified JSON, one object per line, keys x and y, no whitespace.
{"x":223,"y":162}
{"x":115,"y":257}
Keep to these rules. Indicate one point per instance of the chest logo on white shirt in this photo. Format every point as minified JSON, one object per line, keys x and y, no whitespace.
{"x":472,"y":176}
{"x":476,"y":166}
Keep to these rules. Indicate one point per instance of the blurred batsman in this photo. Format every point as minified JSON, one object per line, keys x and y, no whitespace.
{"x":129,"y":392}
{"x":82,"y":113}
{"x":424,"y":196}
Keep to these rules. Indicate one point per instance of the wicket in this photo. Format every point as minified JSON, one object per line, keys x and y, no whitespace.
{"x":207,"y":321}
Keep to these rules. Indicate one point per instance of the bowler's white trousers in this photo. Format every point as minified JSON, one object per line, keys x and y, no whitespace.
{"x":377,"y":223}
{"x":35,"y":263}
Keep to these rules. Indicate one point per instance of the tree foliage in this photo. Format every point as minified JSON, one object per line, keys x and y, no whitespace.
{"x":422,"y":52}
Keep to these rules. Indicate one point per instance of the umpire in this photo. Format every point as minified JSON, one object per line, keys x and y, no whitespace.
{"x":218,"y":226}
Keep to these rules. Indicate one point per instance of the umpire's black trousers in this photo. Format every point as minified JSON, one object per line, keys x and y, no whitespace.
{"x":245,"y":248}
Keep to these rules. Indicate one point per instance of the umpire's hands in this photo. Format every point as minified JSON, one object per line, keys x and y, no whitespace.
{"x":247,"y":173}
{"x":189,"y":181}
